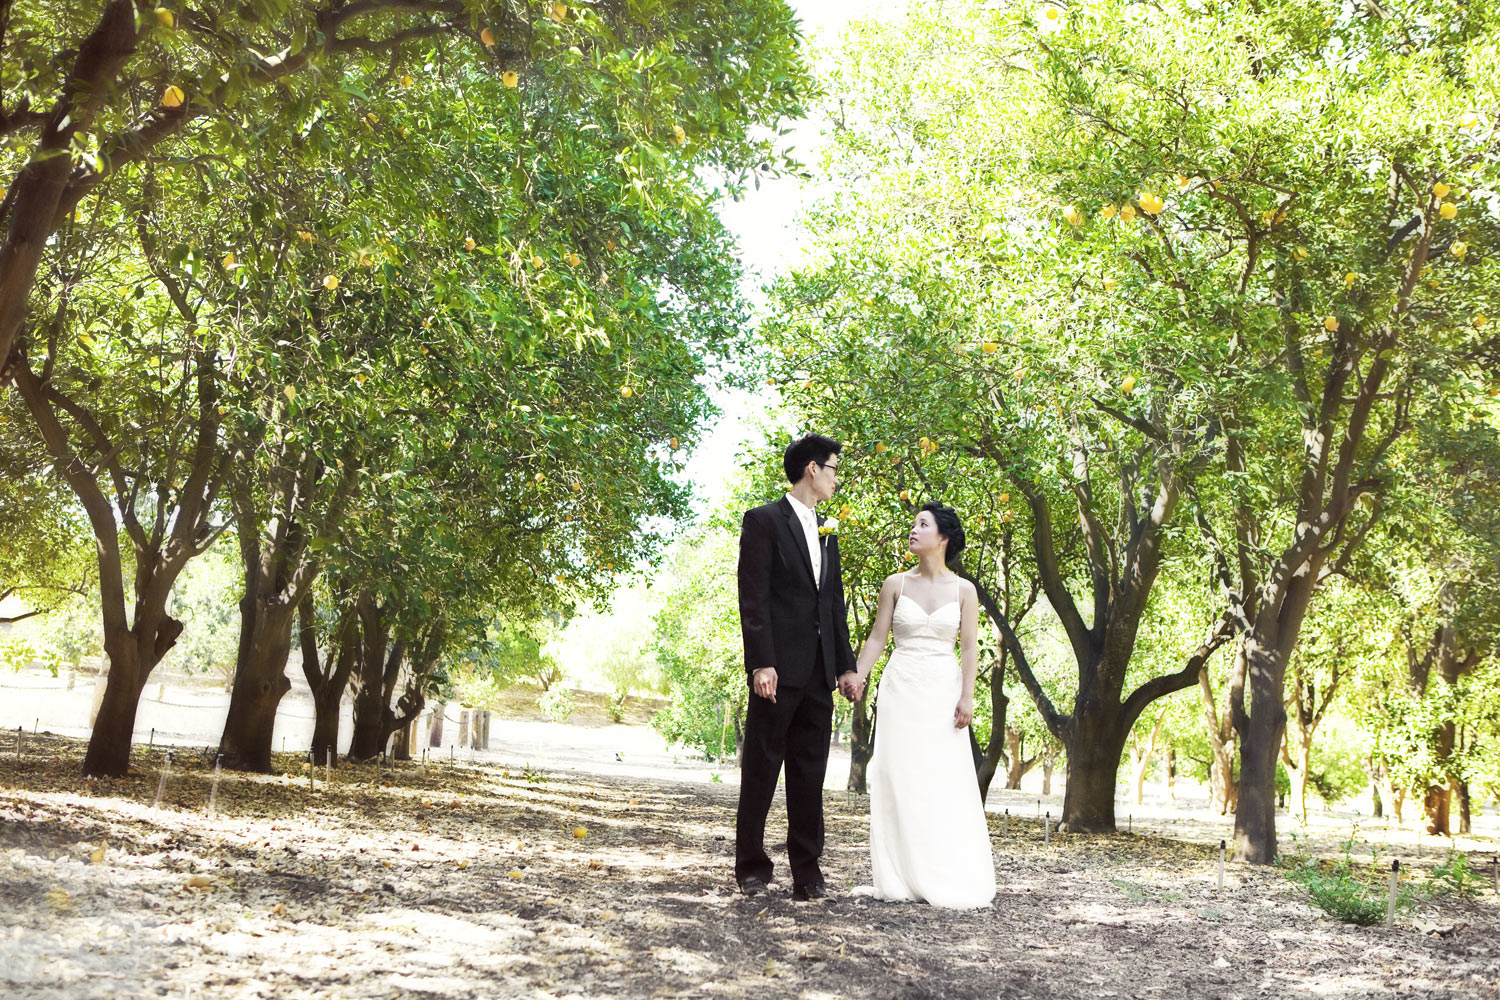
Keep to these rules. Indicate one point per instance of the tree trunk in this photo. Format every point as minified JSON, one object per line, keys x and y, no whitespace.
{"x":1461,"y":792}
{"x":370,"y":704}
{"x":1049,"y":763}
{"x":260,"y":682}
{"x":1094,"y":750}
{"x":1260,"y":746}
{"x":1140,"y":760}
{"x":1221,"y":744}
{"x":861,"y":743}
{"x":989,"y":762}
{"x":1437,"y":805}
{"x":435,"y":731}
{"x":1169,"y":768}
{"x":1016,"y":764}
{"x":327,"y":681}
{"x":108,"y":753}
{"x":1297,"y":775}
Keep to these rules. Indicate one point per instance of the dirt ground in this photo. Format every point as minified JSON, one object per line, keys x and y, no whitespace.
{"x":477,"y":881}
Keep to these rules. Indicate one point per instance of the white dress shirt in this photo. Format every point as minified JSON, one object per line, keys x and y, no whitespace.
{"x":809,"y":519}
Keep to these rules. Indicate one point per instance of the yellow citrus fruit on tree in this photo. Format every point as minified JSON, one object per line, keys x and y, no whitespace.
{"x":1072,"y":215}
{"x":573,"y":259}
{"x":1299,"y":252}
{"x":406,"y":80}
{"x":904,"y":495}
{"x":330,"y":281}
{"x":989,"y":347}
{"x":1459,"y":249}
{"x":305,"y":236}
{"x":1350,"y":279}
{"x":1480,"y":319}
{"x":559,"y":10}
{"x":1107,"y":212}
{"x":172,"y":97}
{"x":536,"y":260}
{"x":1447,"y":210}
{"x":626,"y":391}
{"x":1150,"y":203}
{"x":1006,"y":516}
{"x":879,"y":447}
{"x":1109,"y":284}
{"x":673,"y":443}
{"x":469,"y":243}
{"x":487,"y":37}
{"x":164,"y":17}
{"x":678,"y":135}
{"x":1468,"y":119}
{"x":509,"y":78}
{"x":1128,"y":386}
{"x":1127,"y":213}
{"x":229,"y":259}
{"x":1005,"y":498}
{"x":1441,"y":190}
{"x":1182,"y":181}
{"x":1331,"y":324}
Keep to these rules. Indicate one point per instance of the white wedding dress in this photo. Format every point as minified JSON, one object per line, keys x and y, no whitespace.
{"x":928,"y":836}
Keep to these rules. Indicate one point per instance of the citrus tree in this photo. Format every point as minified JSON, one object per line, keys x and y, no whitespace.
{"x":1212,"y":284}
{"x":488,"y":204}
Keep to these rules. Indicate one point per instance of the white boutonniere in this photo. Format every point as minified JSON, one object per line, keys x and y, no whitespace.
{"x":830,"y":526}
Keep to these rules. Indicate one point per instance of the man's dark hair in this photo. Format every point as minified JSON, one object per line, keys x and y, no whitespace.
{"x":949,"y":526}
{"x":808,"y":448}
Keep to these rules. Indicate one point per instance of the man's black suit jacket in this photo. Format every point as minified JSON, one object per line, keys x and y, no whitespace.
{"x":784,"y":614}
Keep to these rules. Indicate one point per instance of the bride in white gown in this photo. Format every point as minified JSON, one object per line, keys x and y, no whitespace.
{"x":928,"y":836}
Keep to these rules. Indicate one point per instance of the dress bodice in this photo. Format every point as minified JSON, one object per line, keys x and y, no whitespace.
{"x":918,"y":632}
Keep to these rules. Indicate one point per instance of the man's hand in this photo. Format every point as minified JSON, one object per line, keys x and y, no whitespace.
{"x":851,"y":686}
{"x":764,"y":683}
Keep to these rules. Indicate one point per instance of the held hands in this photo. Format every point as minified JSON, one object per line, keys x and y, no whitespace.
{"x":852,"y":686}
{"x":764,"y":683}
{"x":964,"y":713}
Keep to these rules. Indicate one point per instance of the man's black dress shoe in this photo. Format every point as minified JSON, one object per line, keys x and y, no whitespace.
{"x":753,"y":886}
{"x":804,"y":893}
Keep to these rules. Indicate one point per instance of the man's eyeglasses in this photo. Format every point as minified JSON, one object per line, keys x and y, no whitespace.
{"x":825,"y":465}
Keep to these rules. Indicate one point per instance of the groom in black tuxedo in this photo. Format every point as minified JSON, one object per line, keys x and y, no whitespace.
{"x":797,"y":650}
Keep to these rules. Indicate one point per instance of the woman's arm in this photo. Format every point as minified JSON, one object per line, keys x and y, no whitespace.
{"x":880,"y":631}
{"x":968,"y":656}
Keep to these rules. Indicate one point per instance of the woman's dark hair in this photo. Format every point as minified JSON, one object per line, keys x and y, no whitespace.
{"x":948,"y":525}
{"x":808,"y":448}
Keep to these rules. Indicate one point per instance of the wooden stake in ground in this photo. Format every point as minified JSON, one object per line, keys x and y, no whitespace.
{"x":213,"y":791}
{"x":1005,"y":825}
{"x":1390,"y":906}
{"x":1047,"y":828}
{"x":1223,"y":849}
{"x":312,"y":765}
{"x":161,"y":786}
{"x":19,"y":736}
